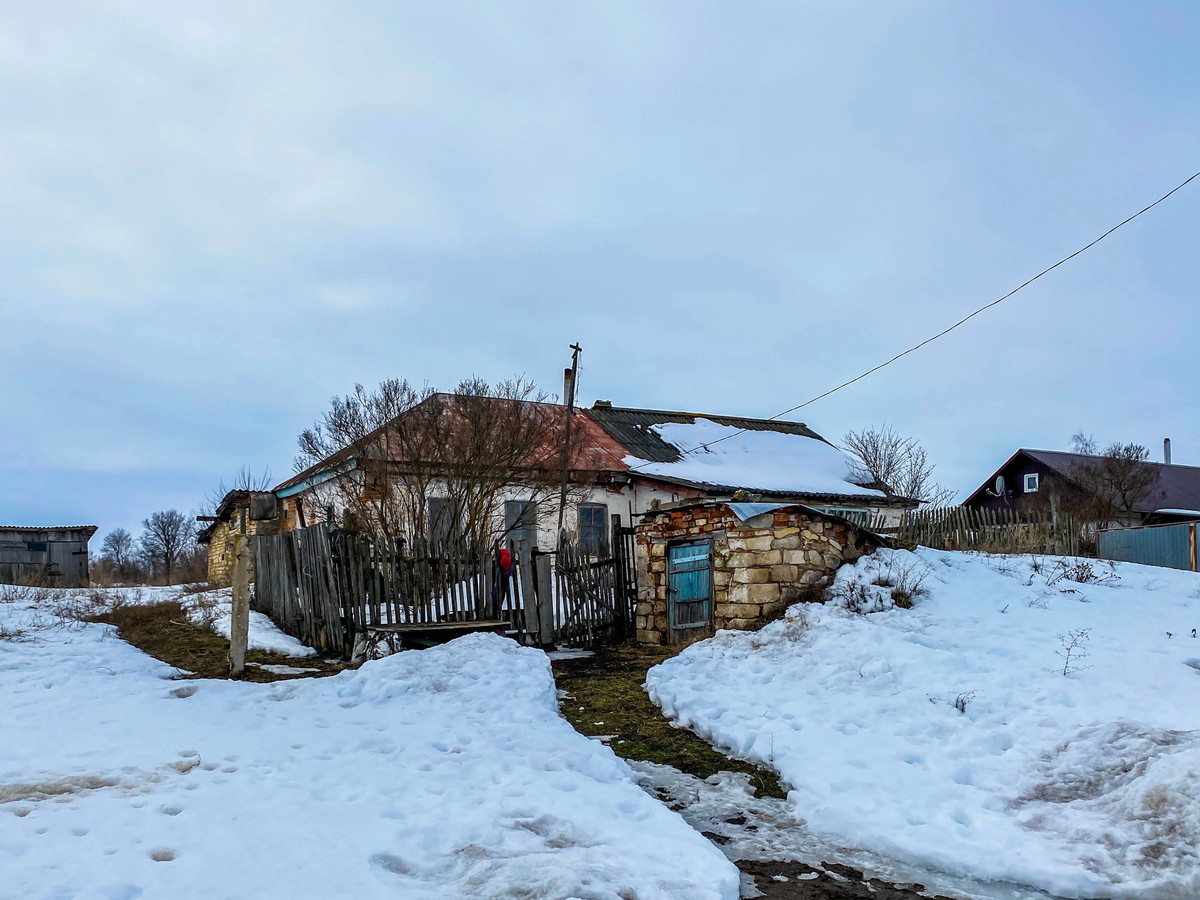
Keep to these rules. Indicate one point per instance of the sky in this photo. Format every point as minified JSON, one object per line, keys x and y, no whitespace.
{"x":215,"y":217}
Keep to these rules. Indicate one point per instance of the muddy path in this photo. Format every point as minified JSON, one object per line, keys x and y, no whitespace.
{"x":742,"y":808}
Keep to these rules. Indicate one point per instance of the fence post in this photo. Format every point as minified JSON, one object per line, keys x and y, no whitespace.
{"x":525,"y":570}
{"x":545,"y":598}
{"x":239,"y":627}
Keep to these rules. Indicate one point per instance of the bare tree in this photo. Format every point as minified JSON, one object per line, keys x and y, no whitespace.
{"x":414,"y":455}
{"x":897,"y":465}
{"x":245,"y":480}
{"x":118,"y":548}
{"x":167,"y":537}
{"x":1115,"y":481}
{"x":1084,"y":444}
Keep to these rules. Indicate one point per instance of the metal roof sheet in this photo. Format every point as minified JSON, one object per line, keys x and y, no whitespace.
{"x":632,"y":428}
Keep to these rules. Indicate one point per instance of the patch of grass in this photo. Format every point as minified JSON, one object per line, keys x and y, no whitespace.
{"x":606,"y":697}
{"x":164,"y":631}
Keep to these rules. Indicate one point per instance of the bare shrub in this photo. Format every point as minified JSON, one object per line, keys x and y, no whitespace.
{"x":1080,"y":571}
{"x":1074,"y":649}
{"x":963,"y":699}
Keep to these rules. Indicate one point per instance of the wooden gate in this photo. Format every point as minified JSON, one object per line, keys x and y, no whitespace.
{"x":594,"y":594}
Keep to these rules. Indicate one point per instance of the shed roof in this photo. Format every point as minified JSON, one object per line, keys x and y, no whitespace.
{"x":90,"y":529}
{"x":746,"y":511}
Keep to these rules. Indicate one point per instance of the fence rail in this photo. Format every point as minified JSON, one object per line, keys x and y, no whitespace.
{"x":328,"y":587}
{"x":991,"y":530}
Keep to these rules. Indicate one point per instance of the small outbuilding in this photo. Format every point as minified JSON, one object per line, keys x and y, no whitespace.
{"x":240,"y":512}
{"x":705,"y":564}
{"x":57,"y":556}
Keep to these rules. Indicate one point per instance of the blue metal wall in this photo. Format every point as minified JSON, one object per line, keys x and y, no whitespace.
{"x":1156,"y":545}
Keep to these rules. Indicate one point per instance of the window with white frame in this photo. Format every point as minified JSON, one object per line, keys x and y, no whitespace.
{"x":1031,"y":483}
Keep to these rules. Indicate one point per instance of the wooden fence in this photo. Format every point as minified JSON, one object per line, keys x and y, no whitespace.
{"x":990,"y":530}
{"x":594,"y":596}
{"x":327,"y":587}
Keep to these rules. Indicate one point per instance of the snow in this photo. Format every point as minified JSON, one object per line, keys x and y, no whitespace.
{"x":749,"y":827}
{"x":1084,"y":785}
{"x":444,"y":773}
{"x":755,"y":460}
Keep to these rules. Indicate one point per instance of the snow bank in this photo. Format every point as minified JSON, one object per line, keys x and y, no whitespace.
{"x":948,"y":735}
{"x":756,"y":460}
{"x":445,"y":773}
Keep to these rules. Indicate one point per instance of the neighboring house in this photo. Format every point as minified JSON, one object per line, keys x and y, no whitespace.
{"x":627,"y":461}
{"x":57,"y":556}
{"x":1029,"y":478}
{"x":240,"y":512}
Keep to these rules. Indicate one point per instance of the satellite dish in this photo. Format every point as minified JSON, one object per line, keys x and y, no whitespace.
{"x":999,"y":484}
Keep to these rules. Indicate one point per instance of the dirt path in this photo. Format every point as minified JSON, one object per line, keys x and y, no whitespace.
{"x":740,"y":807}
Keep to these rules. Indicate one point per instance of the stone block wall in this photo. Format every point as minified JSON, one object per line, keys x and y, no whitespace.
{"x":760,"y":566}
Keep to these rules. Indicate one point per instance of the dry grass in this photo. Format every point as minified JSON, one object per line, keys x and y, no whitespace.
{"x":164,"y":631}
{"x":606,"y":697}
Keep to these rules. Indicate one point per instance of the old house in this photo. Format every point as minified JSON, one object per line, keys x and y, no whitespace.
{"x":56,"y":556}
{"x":240,"y":512}
{"x":1029,"y":478}
{"x":624,"y":462}
{"x":707,"y":564}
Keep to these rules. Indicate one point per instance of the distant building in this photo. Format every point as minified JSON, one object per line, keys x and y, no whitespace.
{"x":1030,"y":477}
{"x":57,"y":556}
{"x":240,"y":512}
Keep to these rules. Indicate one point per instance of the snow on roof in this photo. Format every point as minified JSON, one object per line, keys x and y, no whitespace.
{"x":753,"y":460}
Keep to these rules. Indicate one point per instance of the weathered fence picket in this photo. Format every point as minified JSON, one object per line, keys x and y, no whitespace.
{"x":991,"y":530}
{"x":328,"y":587}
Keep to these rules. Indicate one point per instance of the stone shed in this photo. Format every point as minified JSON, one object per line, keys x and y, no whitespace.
{"x":240,"y":512}
{"x":704,"y":565}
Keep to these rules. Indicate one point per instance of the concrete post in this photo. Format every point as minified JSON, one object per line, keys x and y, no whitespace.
{"x":239,"y":628}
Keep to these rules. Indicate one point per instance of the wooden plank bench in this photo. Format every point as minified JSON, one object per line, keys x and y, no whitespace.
{"x":419,"y":636}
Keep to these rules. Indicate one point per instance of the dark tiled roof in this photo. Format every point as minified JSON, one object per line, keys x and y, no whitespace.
{"x":632,"y":428}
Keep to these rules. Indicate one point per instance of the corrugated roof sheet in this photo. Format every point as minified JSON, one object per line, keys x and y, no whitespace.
{"x":632,"y":428}
{"x":92,"y":528}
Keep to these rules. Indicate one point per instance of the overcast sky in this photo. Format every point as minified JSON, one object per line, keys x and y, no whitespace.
{"x":213,"y":217}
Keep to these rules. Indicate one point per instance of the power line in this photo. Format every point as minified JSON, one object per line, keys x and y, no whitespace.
{"x":961,"y":321}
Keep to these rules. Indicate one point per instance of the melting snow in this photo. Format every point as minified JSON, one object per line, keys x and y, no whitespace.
{"x":947,"y":735}
{"x":445,"y":773}
{"x":755,"y":460}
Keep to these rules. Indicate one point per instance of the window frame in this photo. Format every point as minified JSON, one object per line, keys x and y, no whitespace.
{"x":1028,"y":478}
{"x":601,"y":545}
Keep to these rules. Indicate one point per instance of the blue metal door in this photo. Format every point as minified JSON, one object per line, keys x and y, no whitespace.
{"x":689,"y":582}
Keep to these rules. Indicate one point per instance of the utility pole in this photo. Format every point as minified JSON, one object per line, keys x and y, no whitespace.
{"x":572,"y":374}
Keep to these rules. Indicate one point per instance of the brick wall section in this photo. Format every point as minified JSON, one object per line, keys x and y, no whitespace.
{"x":757,"y":571}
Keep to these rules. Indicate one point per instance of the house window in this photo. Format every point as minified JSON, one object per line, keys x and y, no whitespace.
{"x":593,"y":526}
{"x":520,"y":521}
{"x":443,"y":519}
{"x":1031,"y":483}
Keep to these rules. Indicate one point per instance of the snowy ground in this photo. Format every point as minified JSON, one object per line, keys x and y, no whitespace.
{"x":212,"y":609}
{"x":445,"y":773}
{"x":947,"y":736}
